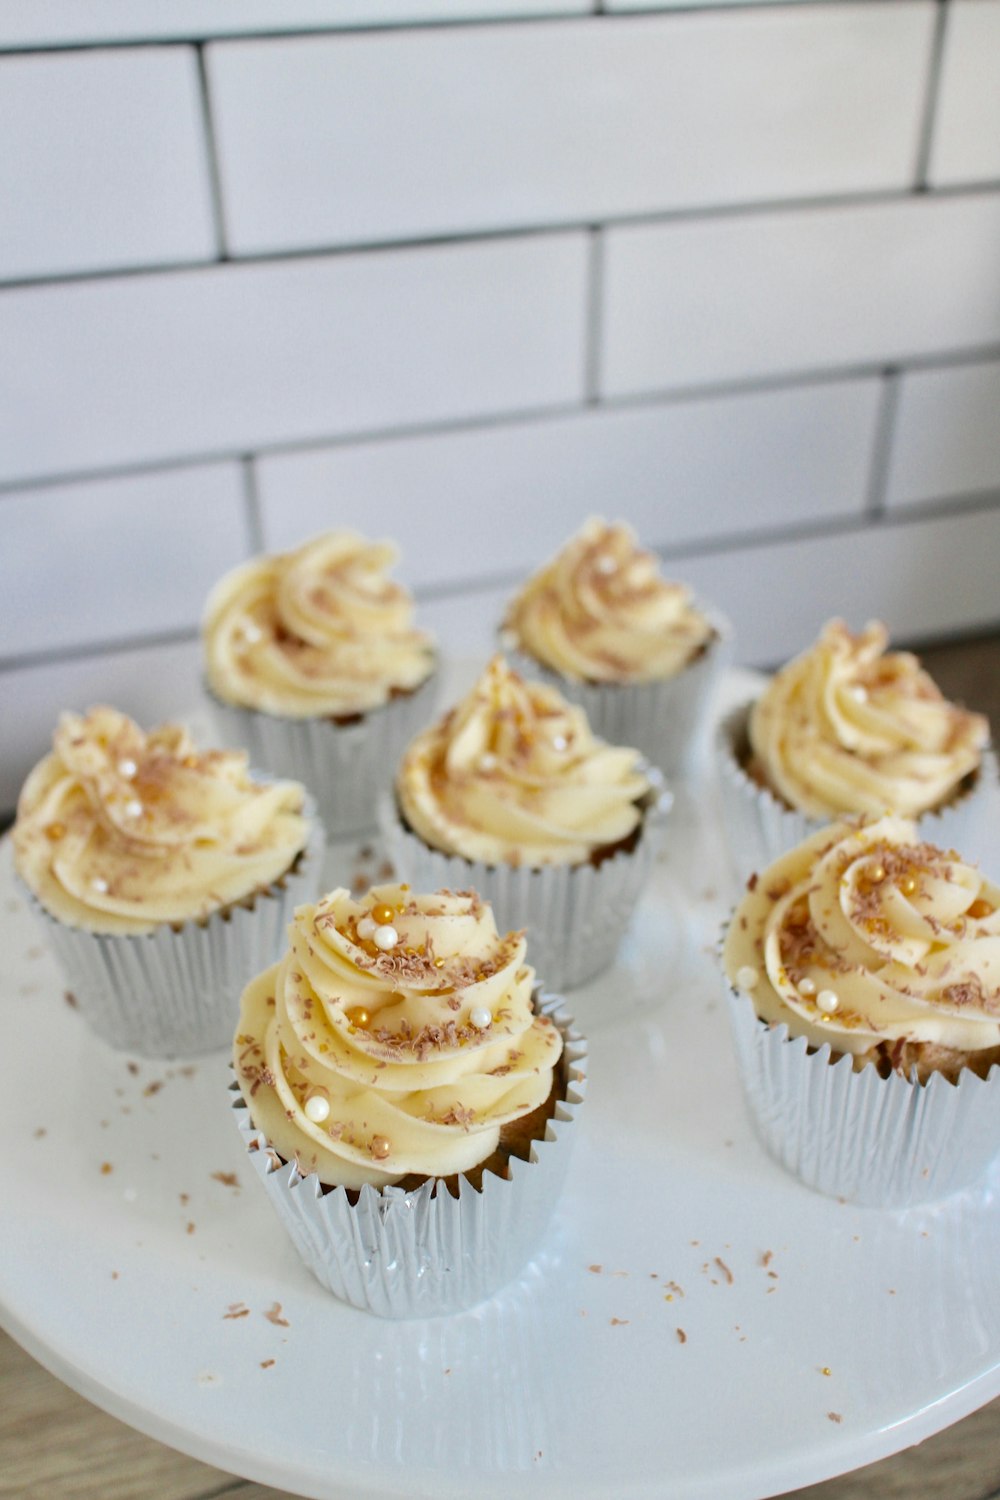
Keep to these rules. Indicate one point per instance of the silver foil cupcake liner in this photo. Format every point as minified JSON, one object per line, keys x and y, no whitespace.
{"x":175,"y":991}
{"x":346,"y":766}
{"x":575,"y":916}
{"x":422,"y":1252}
{"x":881,"y":1142}
{"x":666,"y":720}
{"x":760,"y":828}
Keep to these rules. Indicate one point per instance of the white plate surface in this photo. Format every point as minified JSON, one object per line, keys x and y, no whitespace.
{"x":696,"y":1324}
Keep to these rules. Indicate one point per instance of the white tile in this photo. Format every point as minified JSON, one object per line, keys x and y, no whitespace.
{"x":718,"y":299}
{"x":238,"y":357}
{"x":946,"y":439}
{"x":679,"y":473}
{"x":966,"y":143}
{"x":104,"y":162}
{"x":48,"y":23}
{"x":924,"y":578}
{"x":360,"y":138}
{"x":108,"y":560}
{"x":152,"y":683}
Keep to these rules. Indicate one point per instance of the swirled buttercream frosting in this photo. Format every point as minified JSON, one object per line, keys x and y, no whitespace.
{"x":848,"y":727}
{"x":513,"y":775}
{"x":601,"y":612}
{"x":119,"y":831}
{"x":318,"y":632}
{"x":883,"y":946}
{"x":396,"y":1037}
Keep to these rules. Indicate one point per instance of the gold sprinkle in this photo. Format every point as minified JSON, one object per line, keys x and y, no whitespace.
{"x":825,"y":1370}
{"x":382,"y":914}
{"x":55,"y":831}
{"x":358,"y":1016}
{"x":439,"y":963}
{"x":980,"y":909}
{"x":379,"y":1147}
{"x":909,"y":885}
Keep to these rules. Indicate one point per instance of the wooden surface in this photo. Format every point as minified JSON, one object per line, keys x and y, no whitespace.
{"x":56,"y":1446}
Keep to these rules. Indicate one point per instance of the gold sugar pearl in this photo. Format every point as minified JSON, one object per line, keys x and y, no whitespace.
{"x":380,"y":1147}
{"x":55,"y":831}
{"x":980,"y":909}
{"x":382,"y":914}
{"x":909,"y":885}
{"x":439,"y":963}
{"x":190,"y":761}
{"x":878,"y":873}
{"x":358,"y":1016}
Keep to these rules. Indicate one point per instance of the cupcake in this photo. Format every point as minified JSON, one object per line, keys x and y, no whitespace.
{"x":163,"y":876}
{"x":511,"y":793}
{"x":849,"y":728}
{"x":634,"y":651}
{"x":407,"y":1098}
{"x":864,"y":975}
{"x":314,"y":664}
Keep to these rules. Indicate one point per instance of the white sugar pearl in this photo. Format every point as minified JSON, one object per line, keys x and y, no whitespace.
{"x":746,"y":977}
{"x":827,"y":1000}
{"x":317,"y":1108}
{"x":127,"y":769}
{"x":859,"y":693}
{"x":133,"y":809}
{"x":365,"y":928}
{"x":807,"y":986}
{"x":480,"y":1017}
{"x":252,"y":633}
{"x":99,"y":885}
{"x":487,"y":762}
{"x":385,"y":937}
{"x":559,"y":742}
{"x":605,"y":565}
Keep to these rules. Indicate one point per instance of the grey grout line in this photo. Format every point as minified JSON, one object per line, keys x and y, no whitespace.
{"x":431,"y":23}
{"x":594,"y":318}
{"x":732,"y":542}
{"x":882,"y":445}
{"x":211,"y":147}
{"x":252,"y":511}
{"x":987,"y":354}
{"x":444,"y":239}
{"x":932,"y":95}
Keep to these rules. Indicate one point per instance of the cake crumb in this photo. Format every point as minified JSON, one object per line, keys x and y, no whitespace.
{"x":236,"y":1310}
{"x":682,"y":1337}
{"x":106,"y":1167}
{"x":273,"y":1315}
{"x":727,"y":1273}
{"x":834,"y":1416}
{"x":618,"y":1322}
{"x":228,"y":1179}
{"x":266,"y":1364}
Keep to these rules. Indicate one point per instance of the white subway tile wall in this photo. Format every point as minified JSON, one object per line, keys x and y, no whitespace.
{"x":463,"y":272}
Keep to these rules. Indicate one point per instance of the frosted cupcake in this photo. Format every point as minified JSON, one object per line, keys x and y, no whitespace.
{"x":633,"y":650}
{"x":163,"y":876}
{"x":864,"y":974}
{"x":849,"y":728}
{"x":511,"y":792}
{"x":314,"y":664}
{"x":407,"y":1098}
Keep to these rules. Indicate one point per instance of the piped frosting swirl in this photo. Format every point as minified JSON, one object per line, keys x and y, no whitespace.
{"x":513,"y":775}
{"x":881,"y":945}
{"x":600,"y":611}
{"x":321,"y":631}
{"x":367,"y":1055}
{"x":847,"y":727}
{"x":118,"y":831}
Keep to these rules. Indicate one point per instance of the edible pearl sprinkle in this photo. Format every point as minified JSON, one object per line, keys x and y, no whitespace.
{"x":480,"y":1017}
{"x":127,"y":768}
{"x":605,"y":564}
{"x":827,"y":1000}
{"x":487,"y":762}
{"x":559,"y":742}
{"x":133,"y":809}
{"x":807,"y":986}
{"x":380,"y":1147}
{"x":746,"y":977}
{"x":99,"y":885}
{"x":385,"y":937}
{"x":252,"y":633}
{"x":358,"y":1016}
{"x":859,"y":693}
{"x":381,"y":914}
{"x":317,"y":1109}
{"x":878,"y":873}
{"x":366,"y":927}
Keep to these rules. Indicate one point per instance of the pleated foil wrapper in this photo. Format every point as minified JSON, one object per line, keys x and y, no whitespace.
{"x":666,"y":720}
{"x":575,"y":915}
{"x":421,"y":1253}
{"x":346,"y":767}
{"x":760,"y":828}
{"x":881,"y":1142}
{"x":175,"y":991}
